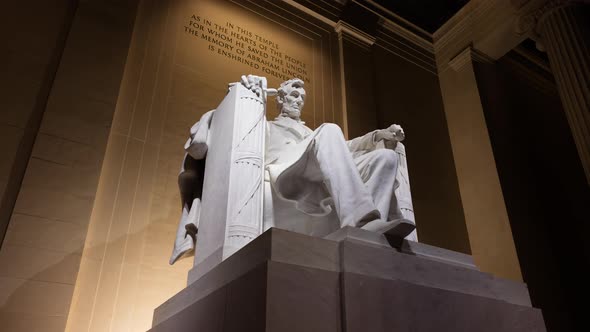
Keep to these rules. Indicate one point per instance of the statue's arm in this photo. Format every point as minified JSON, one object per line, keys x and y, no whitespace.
{"x":198,"y":143}
{"x":369,"y":142}
{"x":366,"y":142}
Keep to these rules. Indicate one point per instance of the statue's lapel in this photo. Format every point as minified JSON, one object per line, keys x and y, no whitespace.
{"x":296,"y":127}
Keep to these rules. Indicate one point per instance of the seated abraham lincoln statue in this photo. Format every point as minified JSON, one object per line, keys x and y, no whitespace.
{"x":318,"y":171}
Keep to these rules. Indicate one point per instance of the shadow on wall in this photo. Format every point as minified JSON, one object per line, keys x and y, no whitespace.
{"x":108,"y":295}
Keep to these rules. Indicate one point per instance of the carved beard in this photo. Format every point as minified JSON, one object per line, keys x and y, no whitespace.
{"x":291,"y":112}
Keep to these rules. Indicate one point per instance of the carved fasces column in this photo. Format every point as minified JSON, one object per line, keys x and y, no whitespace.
{"x":246,"y":195}
{"x":232,"y":206}
{"x":562,"y":28}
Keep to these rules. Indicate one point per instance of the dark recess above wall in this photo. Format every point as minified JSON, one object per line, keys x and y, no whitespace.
{"x":427,"y":14}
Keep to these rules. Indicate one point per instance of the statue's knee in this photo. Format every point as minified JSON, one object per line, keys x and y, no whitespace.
{"x":331,"y":129}
{"x":387,"y":157}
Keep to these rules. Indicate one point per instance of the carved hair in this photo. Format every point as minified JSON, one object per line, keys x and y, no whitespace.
{"x":294,"y":83}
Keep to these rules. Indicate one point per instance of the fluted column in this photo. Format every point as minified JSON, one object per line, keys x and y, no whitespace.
{"x":564,"y":31}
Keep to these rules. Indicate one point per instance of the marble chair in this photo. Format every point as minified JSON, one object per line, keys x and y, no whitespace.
{"x":234,"y":202}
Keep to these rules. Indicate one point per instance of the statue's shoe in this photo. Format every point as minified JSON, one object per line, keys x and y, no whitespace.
{"x":399,"y":228}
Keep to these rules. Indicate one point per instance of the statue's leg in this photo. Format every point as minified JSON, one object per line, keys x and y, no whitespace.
{"x":353,"y":202}
{"x":378,"y":170}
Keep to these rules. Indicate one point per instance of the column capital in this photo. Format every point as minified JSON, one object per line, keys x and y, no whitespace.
{"x":534,"y":13}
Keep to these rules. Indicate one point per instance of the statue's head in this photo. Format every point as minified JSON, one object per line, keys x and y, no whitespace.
{"x":291,"y":98}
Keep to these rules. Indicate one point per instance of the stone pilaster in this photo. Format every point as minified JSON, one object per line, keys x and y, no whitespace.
{"x":486,"y":216}
{"x":562,"y":28}
{"x":357,"y":82}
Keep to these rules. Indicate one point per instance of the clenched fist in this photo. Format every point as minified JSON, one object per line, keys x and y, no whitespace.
{"x":394,"y":133}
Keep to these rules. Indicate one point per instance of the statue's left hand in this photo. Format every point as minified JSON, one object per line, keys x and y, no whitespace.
{"x":394,"y":133}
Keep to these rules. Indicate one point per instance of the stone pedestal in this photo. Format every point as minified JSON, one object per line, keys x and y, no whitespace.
{"x":351,"y":281}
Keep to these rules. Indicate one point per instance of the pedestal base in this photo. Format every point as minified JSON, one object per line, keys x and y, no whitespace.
{"x":351,"y":281}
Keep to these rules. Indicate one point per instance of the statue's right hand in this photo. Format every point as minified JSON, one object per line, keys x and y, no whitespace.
{"x":256,"y":84}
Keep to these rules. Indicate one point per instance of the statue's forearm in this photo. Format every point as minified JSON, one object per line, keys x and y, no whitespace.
{"x":366,"y":142}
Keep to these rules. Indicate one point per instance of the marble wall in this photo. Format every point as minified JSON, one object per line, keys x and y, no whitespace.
{"x":29,"y":58}
{"x":66,"y":111}
{"x":33,"y":40}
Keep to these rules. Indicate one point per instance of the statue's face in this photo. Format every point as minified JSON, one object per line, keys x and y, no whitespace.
{"x":293,"y":102}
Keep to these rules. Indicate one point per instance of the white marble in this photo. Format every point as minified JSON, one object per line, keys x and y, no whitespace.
{"x":282,"y":174}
